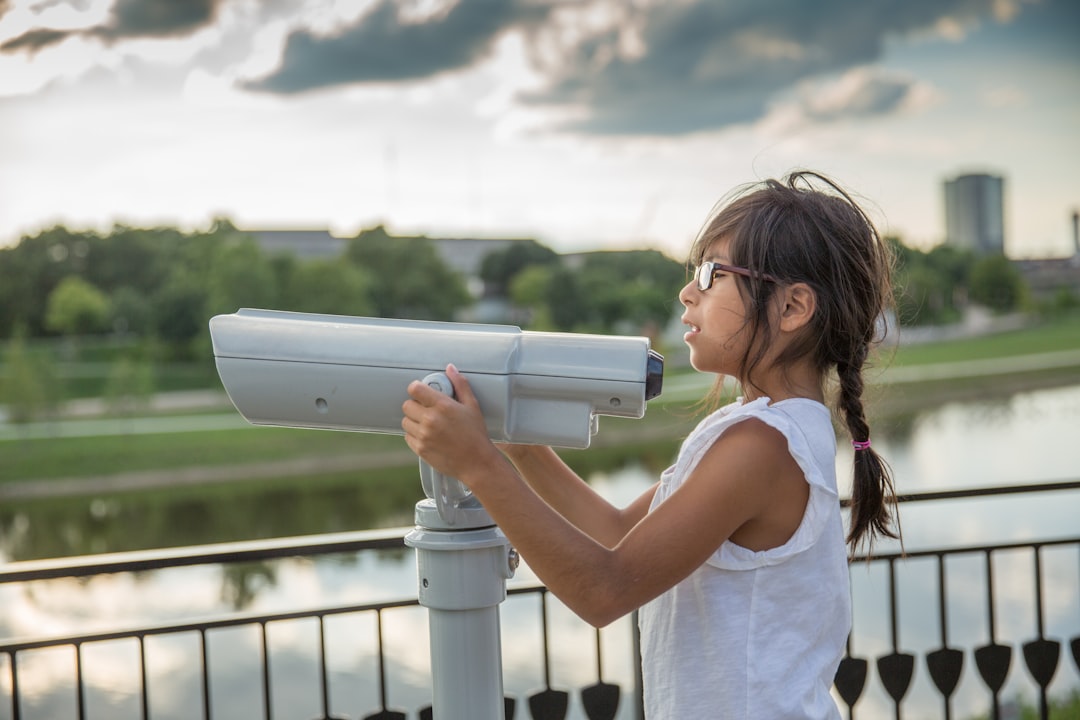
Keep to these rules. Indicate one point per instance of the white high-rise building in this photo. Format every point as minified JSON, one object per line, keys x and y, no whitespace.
{"x":975,"y":213}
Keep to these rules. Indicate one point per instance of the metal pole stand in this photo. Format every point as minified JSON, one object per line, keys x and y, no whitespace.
{"x":463,"y":562}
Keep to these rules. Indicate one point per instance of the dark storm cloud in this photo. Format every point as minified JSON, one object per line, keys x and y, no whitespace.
{"x":874,"y":95}
{"x":158,"y":18}
{"x":667,"y":67}
{"x":706,"y":65}
{"x":382,"y":48}
{"x":34,"y":40}
{"x":128,"y":19}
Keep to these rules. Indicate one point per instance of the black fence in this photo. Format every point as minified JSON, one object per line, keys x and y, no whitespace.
{"x":890,"y":675}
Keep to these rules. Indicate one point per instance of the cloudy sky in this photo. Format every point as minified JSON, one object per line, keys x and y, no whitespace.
{"x":583,"y":123}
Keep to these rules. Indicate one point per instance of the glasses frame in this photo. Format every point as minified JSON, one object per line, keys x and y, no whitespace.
{"x":705,"y":274}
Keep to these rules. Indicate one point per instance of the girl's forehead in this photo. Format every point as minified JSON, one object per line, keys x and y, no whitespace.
{"x":716,"y":250}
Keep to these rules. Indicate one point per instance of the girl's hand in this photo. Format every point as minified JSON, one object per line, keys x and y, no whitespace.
{"x":449,"y":434}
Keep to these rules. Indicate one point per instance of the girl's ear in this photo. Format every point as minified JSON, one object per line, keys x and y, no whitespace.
{"x":799,"y":304}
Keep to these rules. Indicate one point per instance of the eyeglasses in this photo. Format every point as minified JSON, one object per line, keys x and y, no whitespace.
{"x":707,"y":271}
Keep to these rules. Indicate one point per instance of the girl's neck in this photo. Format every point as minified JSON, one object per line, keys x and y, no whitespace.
{"x":799,"y":381}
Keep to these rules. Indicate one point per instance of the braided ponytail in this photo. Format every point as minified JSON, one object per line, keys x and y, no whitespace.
{"x":872,"y":495}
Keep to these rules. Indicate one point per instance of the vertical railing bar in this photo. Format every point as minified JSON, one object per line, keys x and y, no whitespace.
{"x":16,"y":713}
{"x":142,"y":678}
{"x":942,"y":612}
{"x":382,"y":659}
{"x":1044,"y":706}
{"x":990,"y":596}
{"x":599,"y":662}
{"x":1038,"y":591}
{"x":205,"y":674}
{"x":544,"y":630}
{"x":847,"y":652}
{"x":996,"y":707}
{"x":943,"y":622}
{"x":894,"y":621}
{"x":267,"y":710}
{"x":80,"y":687}
{"x":322,"y":667}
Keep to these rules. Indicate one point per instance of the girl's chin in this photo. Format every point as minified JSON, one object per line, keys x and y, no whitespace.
{"x":697,"y":364}
{"x":702,"y":364}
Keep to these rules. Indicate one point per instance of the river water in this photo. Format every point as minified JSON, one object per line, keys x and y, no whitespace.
{"x":1016,"y":438}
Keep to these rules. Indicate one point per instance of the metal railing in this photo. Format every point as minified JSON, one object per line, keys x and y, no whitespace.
{"x":895,"y":669}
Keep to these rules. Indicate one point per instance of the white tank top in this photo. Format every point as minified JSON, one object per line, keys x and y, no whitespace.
{"x":755,"y":634}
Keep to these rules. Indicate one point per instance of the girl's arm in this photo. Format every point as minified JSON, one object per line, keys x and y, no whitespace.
{"x":573,"y":498}
{"x":743,"y":483}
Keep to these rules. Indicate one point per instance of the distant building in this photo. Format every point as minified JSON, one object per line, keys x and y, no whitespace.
{"x":1047,"y":277}
{"x":1050,"y":277}
{"x":304,"y":244}
{"x":464,"y":255}
{"x":975,"y":213}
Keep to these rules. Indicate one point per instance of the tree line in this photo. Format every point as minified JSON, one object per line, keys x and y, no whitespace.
{"x":165,"y":284}
{"x":935,"y":287}
{"x":151,"y":292}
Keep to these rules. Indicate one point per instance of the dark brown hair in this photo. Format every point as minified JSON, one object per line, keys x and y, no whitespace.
{"x":805,"y":228}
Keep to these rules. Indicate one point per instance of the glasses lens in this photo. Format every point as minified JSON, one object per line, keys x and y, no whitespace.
{"x":704,"y":276}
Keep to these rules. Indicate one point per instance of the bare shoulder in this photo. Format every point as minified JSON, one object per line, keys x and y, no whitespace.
{"x":753,"y":460}
{"x":740,"y":466}
{"x":752,"y":446}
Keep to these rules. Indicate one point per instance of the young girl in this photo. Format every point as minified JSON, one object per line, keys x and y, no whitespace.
{"x":736,"y":557}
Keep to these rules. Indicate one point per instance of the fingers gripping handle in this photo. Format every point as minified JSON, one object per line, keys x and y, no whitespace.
{"x":447,"y":492}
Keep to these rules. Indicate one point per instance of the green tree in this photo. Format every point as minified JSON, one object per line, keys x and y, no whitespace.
{"x":129,"y":312}
{"x":923,"y":297}
{"x":75,"y":307}
{"x":631,"y":290}
{"x":499,"y":268}
{"x":130,"y":257}
{"x":408,"y":278}
{"x":953,"y":263}
{"x":1063,"y":302}
{"x":931,"y":287}
{"x":31,"y":270}
{"x":327,"y":286}
{"x":179,"y":315}
{"x":529,"y":291}
{"x":997,"y":284}
{"x":566,"y":301}
{"x":240,"y":276}
{"x":286,"y":269}
{"x":28,"y":385}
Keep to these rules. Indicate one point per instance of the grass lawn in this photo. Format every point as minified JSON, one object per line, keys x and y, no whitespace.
{"x":1059,"y":334}
{"x":106,"y":455}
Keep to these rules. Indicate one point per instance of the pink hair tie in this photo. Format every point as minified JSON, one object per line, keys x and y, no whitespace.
{"x":861,"y":445}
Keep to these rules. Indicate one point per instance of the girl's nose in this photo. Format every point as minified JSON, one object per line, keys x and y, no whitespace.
{"x":686,"y":295}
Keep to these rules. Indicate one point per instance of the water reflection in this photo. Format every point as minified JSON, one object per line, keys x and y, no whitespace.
{"x":172,"y":517}
{"x":1017,"y":438}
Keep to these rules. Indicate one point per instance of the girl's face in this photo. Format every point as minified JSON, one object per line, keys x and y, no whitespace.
{"x":717,"y":335}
